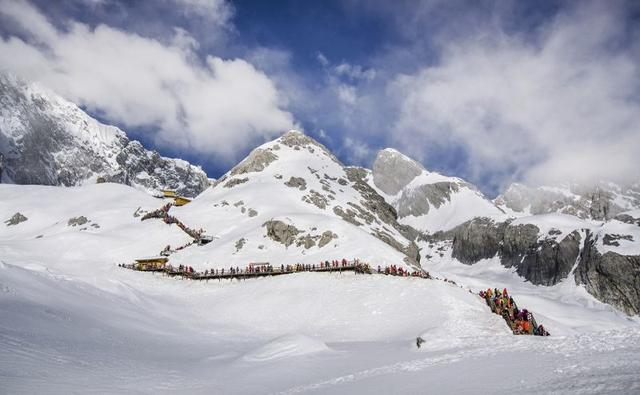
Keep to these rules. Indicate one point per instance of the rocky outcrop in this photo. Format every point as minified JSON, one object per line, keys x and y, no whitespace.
{"x":257,"y":161}
{"x":298,"y":140}
{"x":47,"y":140}
{"x":235,"y":181}
{"x":541,"y":260}
{"x":240,"y":243}
{"x":610,"y":277}
{"x":392,"y":171}
{"x":548,"y":259}
{"x":477,"y":239}
{"x":281,"y":232}
{"x":77,"y":221}
{"x":317,"y":199}
{"x":372,"y":200}
{"x":417,"y":201}
{"x":297,"y":182}
{"x":547,"y":262}
{"x":16,"y":219}
{"x":1,"y":166}
{"x":326,"y":238}
{"x":627,"y":219}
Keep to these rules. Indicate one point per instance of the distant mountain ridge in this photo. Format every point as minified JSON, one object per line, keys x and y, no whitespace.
{"x":48,"y":140}
{"x":599,"y":201}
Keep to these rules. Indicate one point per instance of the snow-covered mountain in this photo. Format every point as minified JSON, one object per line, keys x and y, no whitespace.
{"x":600,"y":201}
{"x":426,"y":200}
{"x":547,"y":235}
{"x":292,"y":200}
{"x":68,"y":308}
{"x":48,"y":140}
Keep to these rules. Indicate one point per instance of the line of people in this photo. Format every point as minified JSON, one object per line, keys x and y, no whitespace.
{"x":163,"y":214}
{"x":394,"y":270}
{"x":521,"y":322}
{"x":259,"y":269}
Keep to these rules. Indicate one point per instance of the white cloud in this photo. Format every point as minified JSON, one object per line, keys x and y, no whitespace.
{"x":354,"y":72}
{"x":217,"y":11}
{"x":346,"y":93}
{"x":357,"y":151}
{"x":219,"y":106}
{"x":564,"y":106}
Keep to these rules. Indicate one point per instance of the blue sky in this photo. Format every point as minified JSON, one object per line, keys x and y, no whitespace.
{"x":490,"y":91}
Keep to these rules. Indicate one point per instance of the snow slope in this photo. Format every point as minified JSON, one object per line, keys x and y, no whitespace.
{"x":72,"y":321}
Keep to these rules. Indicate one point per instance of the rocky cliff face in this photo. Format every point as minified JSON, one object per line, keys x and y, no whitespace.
{"x":50,"y":141}
{"x":393,"y":171}
{"x":541,"y":259}
{"x":548,"y":258}
{"x":610,"y":277}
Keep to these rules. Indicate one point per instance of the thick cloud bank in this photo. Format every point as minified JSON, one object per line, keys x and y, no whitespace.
{"x":210,"y":106}
{"x":559,"y":104}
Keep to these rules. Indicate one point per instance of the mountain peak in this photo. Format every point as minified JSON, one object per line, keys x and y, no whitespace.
{"x":392,"y":170}
{"x":49,"y":140}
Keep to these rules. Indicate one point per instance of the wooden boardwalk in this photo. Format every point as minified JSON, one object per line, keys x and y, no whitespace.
{"x":246,"y":274}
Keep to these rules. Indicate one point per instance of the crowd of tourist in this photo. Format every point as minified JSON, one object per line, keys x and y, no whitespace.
{"x":394,"y":270}
{"x":521,"y":322}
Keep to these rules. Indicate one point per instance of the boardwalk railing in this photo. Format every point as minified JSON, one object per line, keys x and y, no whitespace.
{"x":265,"y":271}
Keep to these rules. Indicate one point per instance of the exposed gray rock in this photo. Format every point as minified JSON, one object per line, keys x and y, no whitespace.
{"x":252,"y":212}
{"x":372,"y":201}
{"x":1,"y":166}
{"x":543,"y":261}
{"x":546,"y":263}
{"x":392,"y":171}
{"x":297,"y":140}
{"x":307,"y":241}
{"x":15,"y":219}
{"x":240,"y":243}
{"x":610,"y":277}
{"x":317,"y":199}
{"x":235,"y":181}
{"x":417,"y":201}
{"x":326,"y":238}
{"x":257,"y":161}
{"x":77,"y":221}
{"x":297,"y":182}
{"x":612,"y":239}
{"x":628,"y":219}
{"x":477,"y":239}
{"x":348,"y":215}
{"x":281,"y":232}
{"x":49,"y":141}
{"x":238,"y":203}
